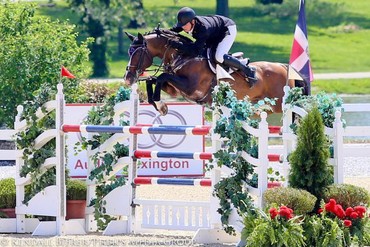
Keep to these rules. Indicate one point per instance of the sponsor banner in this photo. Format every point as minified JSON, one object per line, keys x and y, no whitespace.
{"x":178,"y":114}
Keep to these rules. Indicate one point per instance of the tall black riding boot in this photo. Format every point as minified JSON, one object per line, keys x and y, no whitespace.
{"x":250,"y":72}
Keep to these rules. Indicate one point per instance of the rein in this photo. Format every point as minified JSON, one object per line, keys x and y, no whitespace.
{"x":144,"y":49}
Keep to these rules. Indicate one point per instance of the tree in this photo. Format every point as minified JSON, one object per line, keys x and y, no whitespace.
{"x":135,"y":10}
{"x":136,"y":18}
{"x":31,"y":54}
{"x":309,"y":162}
{"x":97,"y":18}
{"x":222,"y":7}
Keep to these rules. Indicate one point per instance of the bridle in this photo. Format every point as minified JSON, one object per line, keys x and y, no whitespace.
{"x":144,"y":54}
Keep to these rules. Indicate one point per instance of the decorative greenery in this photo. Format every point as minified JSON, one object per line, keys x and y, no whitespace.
{"x":230,"y":190}
{"x":34,"y":158}
{"x":301,"y":201}
{"x":7,"y":193}
{"x":76,"y":189}
{"x":335,"y":225}
{"x":279,"y":228}
{"x":347,"y":195}
{"x":272,"y":176}
{"x":327,"y":104}
{"x":103,"y":115}
{"x":310,"y":156}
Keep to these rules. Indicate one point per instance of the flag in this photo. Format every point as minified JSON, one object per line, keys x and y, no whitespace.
{"x":299,"y":57}
{"x":66,"y":73}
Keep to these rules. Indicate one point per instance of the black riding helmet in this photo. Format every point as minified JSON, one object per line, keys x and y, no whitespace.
{"x":184,"y":16}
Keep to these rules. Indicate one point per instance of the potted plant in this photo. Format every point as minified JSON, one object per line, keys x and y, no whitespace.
{"x":7,"y":197}
{"x":76,"y":199}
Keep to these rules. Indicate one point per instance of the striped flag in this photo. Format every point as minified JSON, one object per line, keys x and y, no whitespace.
{"x":299,"y":58}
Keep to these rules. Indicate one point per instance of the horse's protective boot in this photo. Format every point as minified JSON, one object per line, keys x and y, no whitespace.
{"x":250,"y":72}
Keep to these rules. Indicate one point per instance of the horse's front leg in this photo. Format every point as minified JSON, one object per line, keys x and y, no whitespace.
{"x":161,"y":81}
{"x":149,"y":91}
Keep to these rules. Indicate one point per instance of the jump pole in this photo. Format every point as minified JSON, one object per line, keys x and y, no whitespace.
{"x":134,"y":113}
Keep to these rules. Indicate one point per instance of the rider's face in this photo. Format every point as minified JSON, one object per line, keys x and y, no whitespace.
{"x":188,"y":26}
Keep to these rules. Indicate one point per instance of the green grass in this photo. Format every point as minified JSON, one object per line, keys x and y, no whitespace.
{"x":342,"y":86}
{"x":261,"y":37}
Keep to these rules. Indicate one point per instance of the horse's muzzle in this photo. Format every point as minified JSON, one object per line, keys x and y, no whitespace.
{"x":129,"y":78}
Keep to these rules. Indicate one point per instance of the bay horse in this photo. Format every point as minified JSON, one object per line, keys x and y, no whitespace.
{"x":192,"y":77}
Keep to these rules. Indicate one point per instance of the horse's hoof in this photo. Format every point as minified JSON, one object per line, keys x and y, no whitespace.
{"x":163,"y":110}
{"x":162,"y":107}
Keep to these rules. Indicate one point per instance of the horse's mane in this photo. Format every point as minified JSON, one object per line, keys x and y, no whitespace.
{"x":169,"y":34}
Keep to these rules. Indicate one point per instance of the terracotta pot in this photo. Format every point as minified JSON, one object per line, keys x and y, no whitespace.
{"x":274,"y":184}
{"x":75,"y":209}
{"x":10,"y":212}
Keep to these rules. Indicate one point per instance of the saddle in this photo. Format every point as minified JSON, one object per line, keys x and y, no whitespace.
{"x":221,"y":71}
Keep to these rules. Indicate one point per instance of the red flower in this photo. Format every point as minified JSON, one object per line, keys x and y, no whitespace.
{"x":347,"y":223}
{"x":332,"y":202}
{"x":319,"y":211}
{"x":361,"y":210}
{"x":349,"y":211}
{"x":286,"y":212}
{"x":354,"y":215}
{"x":339,"y":212}
{"x":273,"y":213}
{"x":330,"y":206}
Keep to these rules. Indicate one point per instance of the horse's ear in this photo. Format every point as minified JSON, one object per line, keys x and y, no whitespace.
{"x":140,"y":37}
{"x":130,"y":36}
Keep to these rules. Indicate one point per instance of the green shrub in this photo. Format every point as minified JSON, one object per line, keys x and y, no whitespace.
{"x":76,"y":189}
{"x":94,"y":92}
{"x":300,"y":201}
{"x":347,"y":195}
{"x":7,"y":193}
{"x":309,"y":162}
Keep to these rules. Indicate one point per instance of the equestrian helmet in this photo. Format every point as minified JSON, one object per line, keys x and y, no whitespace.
{"x":184,"y":16}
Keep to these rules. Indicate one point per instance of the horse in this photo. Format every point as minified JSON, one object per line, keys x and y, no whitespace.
{"x":193,"y":78}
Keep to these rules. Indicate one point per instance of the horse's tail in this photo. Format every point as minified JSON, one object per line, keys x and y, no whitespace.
{"x":300,"y":83}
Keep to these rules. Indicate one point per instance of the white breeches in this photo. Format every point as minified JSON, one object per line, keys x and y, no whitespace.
{"x":225,"y":45}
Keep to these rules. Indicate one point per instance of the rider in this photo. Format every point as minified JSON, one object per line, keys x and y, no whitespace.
{"x":209,"y":31}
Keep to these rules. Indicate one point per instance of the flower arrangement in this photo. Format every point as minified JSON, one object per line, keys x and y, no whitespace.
{"x":331,"y":226}
{"x":353,"y":219}
{"x":278,"y":228}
